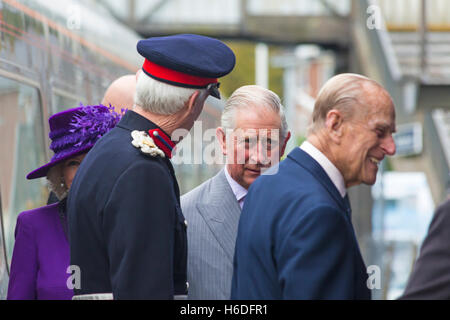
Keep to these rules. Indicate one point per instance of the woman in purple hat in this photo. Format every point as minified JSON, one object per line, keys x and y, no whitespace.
{"x":41,"y":251}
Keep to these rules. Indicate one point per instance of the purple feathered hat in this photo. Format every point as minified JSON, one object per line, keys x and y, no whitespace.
{"x":75,"y":131}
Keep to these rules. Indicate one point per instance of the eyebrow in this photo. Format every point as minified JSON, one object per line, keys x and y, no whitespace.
{"x":386,"y":126}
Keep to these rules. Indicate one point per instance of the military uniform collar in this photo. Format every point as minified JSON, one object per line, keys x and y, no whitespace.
{"x":133,"y":121}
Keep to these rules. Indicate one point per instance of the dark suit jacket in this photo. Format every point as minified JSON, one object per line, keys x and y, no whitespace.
{"x":126,"y":229}
{"x":430,"y":278}
{"x":295,"y":238}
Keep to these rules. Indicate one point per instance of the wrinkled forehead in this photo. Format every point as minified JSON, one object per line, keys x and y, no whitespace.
{"x":257,"y":118}
{"x":255,"y":132}
{"x":377,"y":108}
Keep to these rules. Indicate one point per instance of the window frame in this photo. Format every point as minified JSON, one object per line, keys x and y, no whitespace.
{"x":23,"y":80}
{"x":64,"y":94}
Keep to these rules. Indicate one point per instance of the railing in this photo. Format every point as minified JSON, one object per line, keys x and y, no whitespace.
{"x":376,"y":41}
{"x":406,"y":15}
{"x":217,"y":12}
{"x":400,"y":15}
{"x":298,"y":7}
{"x":441,"y":119}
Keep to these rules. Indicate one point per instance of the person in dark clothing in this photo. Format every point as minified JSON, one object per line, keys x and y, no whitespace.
{"x":430,"y":277}
{"x":126,"y":229}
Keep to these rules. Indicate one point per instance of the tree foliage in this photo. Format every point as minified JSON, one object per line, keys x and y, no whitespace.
{"x":244,"y":71}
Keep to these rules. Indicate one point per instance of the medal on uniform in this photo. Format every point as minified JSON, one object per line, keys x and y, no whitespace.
{"x":146,"y":144}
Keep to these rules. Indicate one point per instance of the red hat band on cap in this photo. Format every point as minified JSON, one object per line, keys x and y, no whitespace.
{"x":172,"y":76}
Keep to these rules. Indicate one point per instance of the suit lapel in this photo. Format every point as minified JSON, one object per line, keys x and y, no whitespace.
{"x":306,"y":161}
{"x":221,"y":213}
{"x":303,"y":159}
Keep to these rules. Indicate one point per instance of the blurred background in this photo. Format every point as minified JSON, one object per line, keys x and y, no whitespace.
{"x":292,"y":47}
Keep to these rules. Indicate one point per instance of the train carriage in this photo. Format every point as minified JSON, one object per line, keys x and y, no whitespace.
{"x":53,"y":56}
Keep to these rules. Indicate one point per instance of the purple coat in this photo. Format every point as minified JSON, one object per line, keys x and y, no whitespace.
{"x":40,"y":258}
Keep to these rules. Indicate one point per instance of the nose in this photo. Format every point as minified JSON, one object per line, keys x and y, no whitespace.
{"x":388,"y":145}
{"x":259,"y":155}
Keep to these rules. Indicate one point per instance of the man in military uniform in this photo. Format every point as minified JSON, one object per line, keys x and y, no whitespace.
{"x":126,"y":230}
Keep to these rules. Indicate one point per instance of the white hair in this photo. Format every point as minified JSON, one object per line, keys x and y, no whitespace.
{"x":254,"y":96}
{"x":159,"y":97}
{"x":56,"y":183}
{"x":346,"y":92}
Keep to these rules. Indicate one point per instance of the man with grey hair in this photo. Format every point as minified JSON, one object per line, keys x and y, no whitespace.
{"x":295,"y":237}
{"x":127,"y":233}
{"x":253,"y":137}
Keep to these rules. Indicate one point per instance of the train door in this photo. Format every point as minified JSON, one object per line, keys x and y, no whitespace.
{"x":22,"y":149}
{"x":3,"y":263}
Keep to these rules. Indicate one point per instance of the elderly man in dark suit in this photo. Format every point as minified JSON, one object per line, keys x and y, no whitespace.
{"x":430,"y":278}
{"x":127,"y":233}
{"x":295,"y":237}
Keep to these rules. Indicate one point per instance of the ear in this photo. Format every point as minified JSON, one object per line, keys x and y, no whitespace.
{"x":192,"y":100}
{"x":283,"y":147}
{"x":334,"y":125}
{"x":196,"y":102}
{"x":222,"y":138}
{"x":138,"y":73}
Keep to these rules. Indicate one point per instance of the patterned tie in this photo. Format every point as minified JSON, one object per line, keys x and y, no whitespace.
{"x":347,"y":206}
{"x":241,"y":202}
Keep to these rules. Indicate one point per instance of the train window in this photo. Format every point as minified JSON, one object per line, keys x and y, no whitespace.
{"x":22,"y":150}
{"x":62,"y":102}
{"x":3,"y":265}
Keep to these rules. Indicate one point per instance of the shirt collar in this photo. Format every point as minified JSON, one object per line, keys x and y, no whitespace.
{"x":331,"y":170}
{"x":238,"y":190}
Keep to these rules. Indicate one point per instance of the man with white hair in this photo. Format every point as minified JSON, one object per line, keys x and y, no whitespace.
{"x":253,"y":137}
{"x":295,"y":237}
{"x":127,"y":233}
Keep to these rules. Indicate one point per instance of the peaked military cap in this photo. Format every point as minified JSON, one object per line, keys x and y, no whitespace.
{"x":187,"y":60}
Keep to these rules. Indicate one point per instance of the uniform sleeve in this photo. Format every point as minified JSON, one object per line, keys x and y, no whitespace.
{"x":315,"y":257}
{"x":22,"y":279}
{"x":138,"y":224}
{"x":430,"y":278}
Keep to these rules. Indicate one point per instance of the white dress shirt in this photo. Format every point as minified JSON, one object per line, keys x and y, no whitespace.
{"x":239,"y":191}
{"x":331,"y":170}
